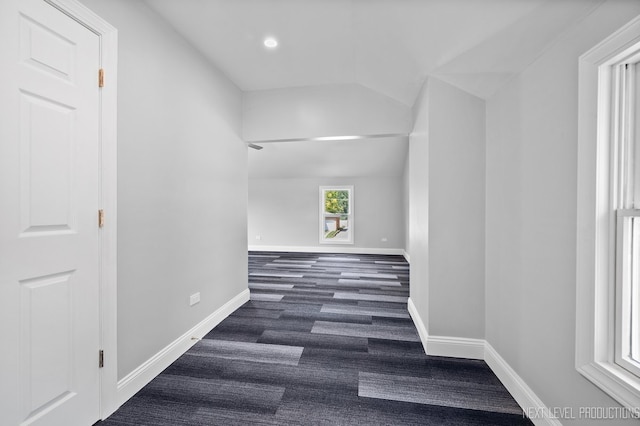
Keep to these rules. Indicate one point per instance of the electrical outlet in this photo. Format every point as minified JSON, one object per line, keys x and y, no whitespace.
{"x":383,"y":239}
{"x":258,"y":237}
{"x":194,"y":298}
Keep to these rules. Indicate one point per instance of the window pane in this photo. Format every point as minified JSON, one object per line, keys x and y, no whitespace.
{"x":634,"y":301}
{"x":336,"y":201}
{"x":634,"y":128}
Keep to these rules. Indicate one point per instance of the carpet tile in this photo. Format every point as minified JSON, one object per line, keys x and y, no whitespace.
{"x":375,"y":297}
{"x":325,"y":339}
{"x":257,"y":352}
{"x":364,"y":330}
{"x":365,"y":310}
{"x":435,"y":392}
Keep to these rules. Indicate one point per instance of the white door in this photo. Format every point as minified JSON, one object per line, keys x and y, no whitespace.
{"x":49,"y":169}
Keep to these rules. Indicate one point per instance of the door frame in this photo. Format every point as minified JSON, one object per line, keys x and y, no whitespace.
{"x":107,"y":236}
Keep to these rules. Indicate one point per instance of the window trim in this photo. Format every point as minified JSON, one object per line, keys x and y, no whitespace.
{"x":596,"y":220}
{"x":351,"y":213}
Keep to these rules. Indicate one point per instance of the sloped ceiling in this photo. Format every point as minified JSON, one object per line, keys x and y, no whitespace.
{"x":389,"y":46}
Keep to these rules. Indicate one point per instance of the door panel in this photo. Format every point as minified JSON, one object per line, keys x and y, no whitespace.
{"x":49,"y":253}
{"x":46,"y":339}
{"x":47,"y":173}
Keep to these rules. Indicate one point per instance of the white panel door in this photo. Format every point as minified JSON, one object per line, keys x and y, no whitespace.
{"x":49,"y":257}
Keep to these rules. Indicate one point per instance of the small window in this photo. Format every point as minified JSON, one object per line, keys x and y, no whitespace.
{"x":336,"y":214}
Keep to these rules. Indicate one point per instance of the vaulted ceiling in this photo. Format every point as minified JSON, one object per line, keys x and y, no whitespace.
{"x":388,"y":46}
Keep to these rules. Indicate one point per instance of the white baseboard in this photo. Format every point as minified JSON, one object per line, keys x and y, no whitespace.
{"x":141,"y":376}
{"x":328,"y":249}
{"x":521,"y":392}
{"x":456,"y":347}
{"x":420,"y":325}
{"x":459,"y":347}
{"x":406,"y":256}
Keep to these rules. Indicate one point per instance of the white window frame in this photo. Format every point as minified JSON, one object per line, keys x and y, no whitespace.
{"x":601,"y":218}
{"x":351,"y":214}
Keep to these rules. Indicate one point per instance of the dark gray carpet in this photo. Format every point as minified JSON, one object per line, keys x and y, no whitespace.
{"x":325,"y":340}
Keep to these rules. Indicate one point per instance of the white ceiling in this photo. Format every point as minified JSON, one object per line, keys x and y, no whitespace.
{"x":389,"y":46}
{"x":386,"y":45}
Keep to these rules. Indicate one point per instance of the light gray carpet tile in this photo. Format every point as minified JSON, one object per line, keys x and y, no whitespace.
{"x":274,"y":286}
{"x":374,"y":297}
{"x":338,"y":259}
{"x":256,"y":352}
{"x":258,"y":313}
{"x":359,"y":344}
{"x":321,"y":316}
{"x":288,"y":266}
{"x":272,"y":274}
{"x":294,"y":261}
{"x":365,"y":275}
{"x":364,"y":310}
{"x":266,"y":296}
{"x":436,"y":392}
{"x":364,"y":330}
{"x":338,"y":267}
{"x":368,"y":283}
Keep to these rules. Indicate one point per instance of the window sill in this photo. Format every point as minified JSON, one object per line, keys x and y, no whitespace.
{"x":617,"y":382}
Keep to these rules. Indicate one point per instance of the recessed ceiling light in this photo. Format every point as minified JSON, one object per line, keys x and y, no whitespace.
{"x":271,"y":42}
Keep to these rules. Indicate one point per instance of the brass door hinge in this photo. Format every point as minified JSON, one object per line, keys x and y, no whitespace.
{"x":101,"y":77}
{"x":101,"y":359}
{"x":100,"y":218}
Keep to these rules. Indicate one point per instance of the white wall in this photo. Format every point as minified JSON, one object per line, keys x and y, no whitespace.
{"x":182,"y":184}
{"x":456,"y":211}
{"x":285,"y":212}
{"x":406,"y":202}
{"x":447,"y":154}
{"x":531,"y":217}
{"x":419,"y":205}
{"x":332,"y":110}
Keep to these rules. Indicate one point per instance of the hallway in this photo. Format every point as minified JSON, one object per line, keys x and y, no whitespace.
{"x":325,"y":339}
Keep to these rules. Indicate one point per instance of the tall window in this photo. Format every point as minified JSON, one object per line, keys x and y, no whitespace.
{"x":626,"y":203}
{"x":608,"y":233}
{"x":336,"y":214}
